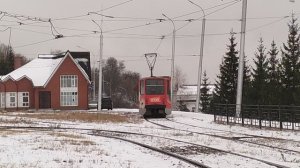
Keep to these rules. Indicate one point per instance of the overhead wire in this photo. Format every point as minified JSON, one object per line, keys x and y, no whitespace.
{"x":39,"y":42}
{"x":22,"y":18}
{"x":159,"y":44}
{"x":204,"y":9}
{"x":133,"y":34}
{"x":70,"y":17}
{"x":38,"y":32}
{"x":131,"y":27}
{"x":191,"y":20}
{"x":122,"y":3}
{"x":267,"y":24}
{"x":57,"y":35}
{"x":52,"y":27}
{"x":4,"y":29}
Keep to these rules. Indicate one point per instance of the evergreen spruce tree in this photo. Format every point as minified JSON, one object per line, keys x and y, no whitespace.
{"x":205,"y":95}
{"x":226,"y":84}
{"x":274,"y":89}
{"x":260,"y":75}
{"x":6,"y":59}
{"x":3,"y":67}
{"x":246,"y":83}
{"x":290,"y":65}
{"x":10,"y":59}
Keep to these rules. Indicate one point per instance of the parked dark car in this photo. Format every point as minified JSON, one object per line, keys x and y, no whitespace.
{"x":106,"y":103}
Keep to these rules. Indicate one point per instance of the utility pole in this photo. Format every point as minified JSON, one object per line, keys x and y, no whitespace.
{"x":241,"y":61}
{"x":100,"y":68}
{"x":173,"y":96}
{"x":200,"y":59}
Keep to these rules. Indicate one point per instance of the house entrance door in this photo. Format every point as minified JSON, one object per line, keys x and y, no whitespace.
{"x":44,"y":99}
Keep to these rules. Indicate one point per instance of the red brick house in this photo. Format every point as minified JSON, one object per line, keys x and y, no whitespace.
{"x":58,"y":82}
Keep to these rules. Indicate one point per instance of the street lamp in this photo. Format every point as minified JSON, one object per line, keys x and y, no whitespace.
{"x":173,"y":97}
{"x":100,"y":68}
{"x":200,"y":59}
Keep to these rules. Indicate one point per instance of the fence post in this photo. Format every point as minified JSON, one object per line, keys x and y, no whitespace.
{"x":259,"y":116}
{"x":293,"y":117}
{"x":242,"y":112}
{"x":226,"y":109}
{"x":269,"y":118}
{"x":280,"y":120}
{"x":213,"y":110}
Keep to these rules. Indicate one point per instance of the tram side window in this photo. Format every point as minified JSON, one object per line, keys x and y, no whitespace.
{"x":142,"y":87}
{"x":155,"y":86}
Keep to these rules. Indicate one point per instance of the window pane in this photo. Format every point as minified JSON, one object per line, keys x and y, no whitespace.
{"x":69,"y":98}
{"x":154,"y":90}
{"x":154,"y":82}
{"x":25,"y":99}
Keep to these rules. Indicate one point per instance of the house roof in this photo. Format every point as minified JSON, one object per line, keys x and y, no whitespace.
{"x":40,"y":70}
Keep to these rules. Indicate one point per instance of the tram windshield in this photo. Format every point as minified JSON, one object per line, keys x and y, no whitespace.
{"x":154,"y":86}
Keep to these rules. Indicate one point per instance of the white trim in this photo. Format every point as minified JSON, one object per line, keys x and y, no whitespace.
{"x":24,"y":76}
{"x":78,"y":66}
{"x":21,"y":96}
{"x":68,"y":99}
{"x":68,"y":94}
{"x":7,"y":78}
{"x":2,"y":99}
{"x":10,"y":96}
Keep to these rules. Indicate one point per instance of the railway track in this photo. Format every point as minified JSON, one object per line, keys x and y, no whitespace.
{"x":192,"y":162}
{"x":246,"y":135}
{"x":116,"y":135}
{"x":249,"y":137}
{"x":229,"y":138}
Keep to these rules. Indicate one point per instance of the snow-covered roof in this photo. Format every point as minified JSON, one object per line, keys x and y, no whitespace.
{"x":192,"y":89}
{"x":38,"y":70}
{"x":41,"y":69}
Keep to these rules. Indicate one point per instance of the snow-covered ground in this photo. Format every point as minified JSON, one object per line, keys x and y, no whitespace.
{"x":79,"y":148}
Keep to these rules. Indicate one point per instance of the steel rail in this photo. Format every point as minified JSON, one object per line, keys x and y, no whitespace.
{"x":133,"y":133}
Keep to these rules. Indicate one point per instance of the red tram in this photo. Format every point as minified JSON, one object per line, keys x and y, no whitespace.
{"x":154,"y":96}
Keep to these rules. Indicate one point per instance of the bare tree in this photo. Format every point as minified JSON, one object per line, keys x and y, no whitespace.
{"x":180,"y":78}
{"x":56,"y":51}
{"x":179,"y":81}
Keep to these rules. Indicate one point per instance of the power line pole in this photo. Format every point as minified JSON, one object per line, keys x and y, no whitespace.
{"x":100,"y":68}
{"x":241,"y":61}
{"x":200,"y":59}
{"x":173,"y":96}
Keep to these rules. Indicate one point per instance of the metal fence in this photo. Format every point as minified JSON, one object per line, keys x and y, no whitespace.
{"x":272,"y":116}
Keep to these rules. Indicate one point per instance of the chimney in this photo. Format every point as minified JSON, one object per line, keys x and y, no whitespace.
{"x":18,"y":62}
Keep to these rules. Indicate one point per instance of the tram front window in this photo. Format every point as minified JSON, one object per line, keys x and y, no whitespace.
{"x":154,"y":86}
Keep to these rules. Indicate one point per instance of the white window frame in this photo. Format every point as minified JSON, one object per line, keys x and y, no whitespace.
{"x":21,"y":102}
{"x":9,"y":96}
{"x":2,"y":99}
{"x":69,"y":90}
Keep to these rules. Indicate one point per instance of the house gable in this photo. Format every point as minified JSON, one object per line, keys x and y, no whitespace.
{"x":24,"y":84}
{"x":68,"y":56}
{"x":68,"y":67}
{"x":10,"y":85}
{"x":40,"y":78}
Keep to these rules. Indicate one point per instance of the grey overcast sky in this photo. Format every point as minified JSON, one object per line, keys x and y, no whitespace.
{"x":135,"y":30}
